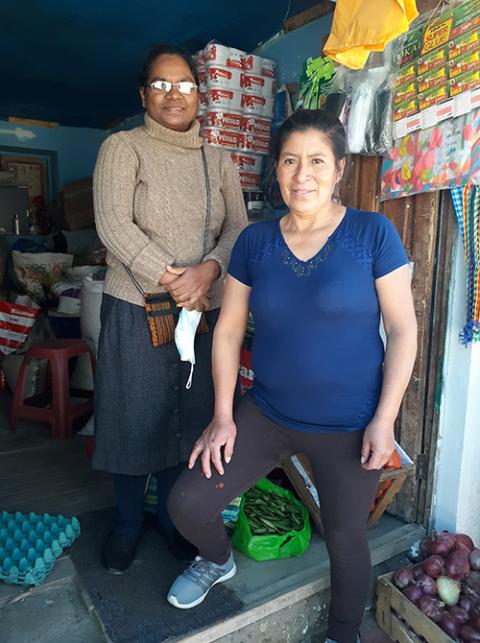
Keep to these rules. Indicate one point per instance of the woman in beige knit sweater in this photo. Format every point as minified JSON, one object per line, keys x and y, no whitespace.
{"x":151,"y":198}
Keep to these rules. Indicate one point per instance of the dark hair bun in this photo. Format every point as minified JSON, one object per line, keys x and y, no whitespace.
{"x":316,"y":119}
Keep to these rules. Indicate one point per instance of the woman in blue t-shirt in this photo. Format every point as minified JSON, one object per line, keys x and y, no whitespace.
{"x":316,"y":282}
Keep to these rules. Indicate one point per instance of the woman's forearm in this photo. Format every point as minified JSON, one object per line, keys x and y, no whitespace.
{"x":225,"y":363}
{"x":398,"y":365}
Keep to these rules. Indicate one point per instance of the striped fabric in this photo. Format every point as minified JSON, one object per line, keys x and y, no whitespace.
{"x":16,"y":322}
{"x":466,"y":200}
{"x":162,"y":316}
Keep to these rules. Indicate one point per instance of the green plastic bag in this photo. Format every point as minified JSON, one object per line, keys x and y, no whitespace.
{"x":272,"y":546}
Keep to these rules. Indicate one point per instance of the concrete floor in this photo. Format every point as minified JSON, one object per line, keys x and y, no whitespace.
{"x":39,"y":474}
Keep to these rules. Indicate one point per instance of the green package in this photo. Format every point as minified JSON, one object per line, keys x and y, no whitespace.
{"x":274,"y":543}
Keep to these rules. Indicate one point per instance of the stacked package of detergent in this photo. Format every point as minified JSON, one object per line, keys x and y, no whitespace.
{"x":237,"y":92}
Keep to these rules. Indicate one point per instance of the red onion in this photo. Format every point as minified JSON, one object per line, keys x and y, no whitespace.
{"x":425,"y":545}
{"x":402,"y":577}
{"x":434,"y":566}
{"x":413,"y":593}
{"x":431,"y":607}
{"x":417,"y":570}
{"x":426,"y":584}
{"x":475,"y":559}
{"x":442,"y":544}
{"x":459,"y":614}
{"x":450,"y":625}
{"x":475,"y":615}
{"x":458,"y":564}
{"x":465,"y":540}
{"x":469,"y":634}
{"x":473,"y":584}
{"x":466,"y":603}
{"x":475,"y":608}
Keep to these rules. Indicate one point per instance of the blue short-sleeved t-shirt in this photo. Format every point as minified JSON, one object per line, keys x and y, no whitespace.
{"x":317,"y":354}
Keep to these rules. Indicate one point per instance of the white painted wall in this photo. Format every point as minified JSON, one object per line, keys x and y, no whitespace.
{"x":456,"y":496}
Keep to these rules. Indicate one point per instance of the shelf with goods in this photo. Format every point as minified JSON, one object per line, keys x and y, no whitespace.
{"x":237,"y":92}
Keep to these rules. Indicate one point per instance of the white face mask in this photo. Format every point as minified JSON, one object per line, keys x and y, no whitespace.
{"x":185,"y":337}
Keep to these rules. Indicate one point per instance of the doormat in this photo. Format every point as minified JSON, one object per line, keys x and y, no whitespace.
{"x":133,"y":606}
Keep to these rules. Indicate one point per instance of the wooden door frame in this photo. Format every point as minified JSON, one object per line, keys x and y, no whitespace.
{"x":446,"y":237}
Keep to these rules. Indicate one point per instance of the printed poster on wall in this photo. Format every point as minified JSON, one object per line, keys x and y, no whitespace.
{"x":440,"y":157}
{"x":439,"y":70}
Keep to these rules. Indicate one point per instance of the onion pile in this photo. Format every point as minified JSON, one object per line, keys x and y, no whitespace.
{"x":445,"y":585}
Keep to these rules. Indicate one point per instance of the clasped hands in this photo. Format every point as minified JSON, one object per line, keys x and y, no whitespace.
{"x":190,"y":286}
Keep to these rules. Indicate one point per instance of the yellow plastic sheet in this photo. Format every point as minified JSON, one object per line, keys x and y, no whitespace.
{"x":362,"y":26}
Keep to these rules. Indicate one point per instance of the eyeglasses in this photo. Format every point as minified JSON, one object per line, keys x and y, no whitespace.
{"x":165,"y":86}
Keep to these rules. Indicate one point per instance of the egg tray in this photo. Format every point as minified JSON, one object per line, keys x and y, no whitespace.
{"x":31,"y":543}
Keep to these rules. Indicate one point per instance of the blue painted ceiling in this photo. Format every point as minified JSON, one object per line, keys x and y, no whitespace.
{"x":77,"y":61}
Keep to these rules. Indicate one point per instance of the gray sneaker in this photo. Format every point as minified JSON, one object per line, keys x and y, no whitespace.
{"x":191,"y":587}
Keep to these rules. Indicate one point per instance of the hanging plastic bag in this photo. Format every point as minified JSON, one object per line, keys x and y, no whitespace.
{"x":362,"y":26}
{"x":361,"y":120}
{"x":259,"y":514}
{"x":16,"y":322}
{"x":316,"y":77}
{"x":379,"y":134}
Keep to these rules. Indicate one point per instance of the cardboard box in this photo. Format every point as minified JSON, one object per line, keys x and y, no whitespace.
{"x":74,"y":210}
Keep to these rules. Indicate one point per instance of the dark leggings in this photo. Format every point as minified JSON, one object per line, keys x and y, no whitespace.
{"x":345,"y":490}
{"x":130,"y":493}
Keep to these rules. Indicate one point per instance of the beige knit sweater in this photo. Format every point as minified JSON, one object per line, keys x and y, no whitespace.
{"x":150,"y":205}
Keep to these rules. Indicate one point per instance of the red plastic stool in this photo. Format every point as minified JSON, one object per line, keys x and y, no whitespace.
{"x":61,"y":413}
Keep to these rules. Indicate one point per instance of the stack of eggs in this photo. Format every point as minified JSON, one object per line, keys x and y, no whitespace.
{"x":237,"y":93}
{"x":30,"y":545}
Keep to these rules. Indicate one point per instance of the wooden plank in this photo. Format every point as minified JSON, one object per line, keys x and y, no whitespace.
{"x":31,"y":122}
{"x":309,"y":15}
{"x":440,"y":296}
{"x":391,"y":474}
{"x":386,"y":500}
{"x":419,"y":234}
{"x":91,"y":497}
{"x":399,"y":632}
{"x":369,"y":184}
{"x":383,"y":612}
{"x":389,"y":546}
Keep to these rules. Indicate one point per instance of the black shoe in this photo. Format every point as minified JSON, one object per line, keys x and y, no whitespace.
{"x":118,"y":553}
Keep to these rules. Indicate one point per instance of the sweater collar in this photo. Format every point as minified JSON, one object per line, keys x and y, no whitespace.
{"x":190,"y":139}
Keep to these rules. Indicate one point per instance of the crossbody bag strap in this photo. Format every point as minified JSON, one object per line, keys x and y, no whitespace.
{"x":209,"y":201}
{"x":134,"y":280}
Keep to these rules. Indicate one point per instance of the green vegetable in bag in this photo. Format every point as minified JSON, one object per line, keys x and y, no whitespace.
{"x":272,"y":524}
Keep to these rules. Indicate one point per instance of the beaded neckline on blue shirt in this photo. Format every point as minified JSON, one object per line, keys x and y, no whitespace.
{"x":305,"y":268}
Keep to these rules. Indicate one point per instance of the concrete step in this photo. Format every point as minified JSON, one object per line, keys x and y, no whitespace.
{"x":288,"y":600}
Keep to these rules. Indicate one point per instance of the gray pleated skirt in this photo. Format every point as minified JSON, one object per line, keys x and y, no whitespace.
{"x":145,"y":418}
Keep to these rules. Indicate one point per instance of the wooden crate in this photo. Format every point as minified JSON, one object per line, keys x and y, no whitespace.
{"x":401,"y":620}
{"x":305,"y":487}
